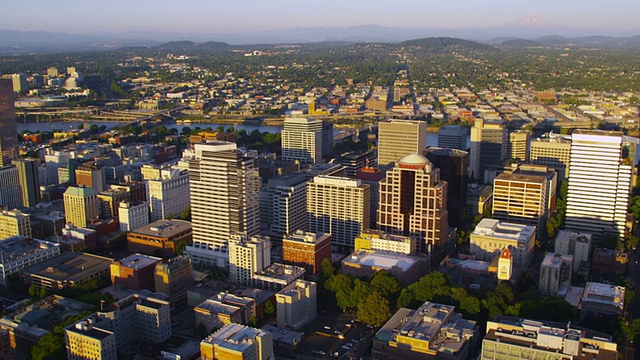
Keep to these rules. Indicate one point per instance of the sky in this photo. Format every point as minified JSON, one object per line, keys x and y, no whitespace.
{"x":610,"y":17}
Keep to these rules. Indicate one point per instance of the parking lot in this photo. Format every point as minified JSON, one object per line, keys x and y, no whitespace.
{"x":334,"y":336}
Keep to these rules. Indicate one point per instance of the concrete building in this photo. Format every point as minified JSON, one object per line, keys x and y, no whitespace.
{"x":601,"y":301}
{"x":327,"y":139}
{"x":600,"y":182}
{"x":135,"y":272}
{"x":372,"y":176}
{"x":220,"y":174}
{"x":296,"y":304}
{"x":302,"y":140}
{"x":338,"y":206}
{"x":491,"y":236}
{"x":29,"y":181}
{"x":553,"y":151}
{"x":173,"y":277}
{"x":575,"y":244}
{"x":91,"y":176}
{"x":109,"y":202}
{"x":530,"y":339}
{"x":133,"y":215}
{"x":19,"y":252}
{"x":488,"y":147}
{"x":379,"y":240}
{"x":168,"y":194}
{"x":433,"y":331}
{"x":67,"y":270}
{"x":248,"y":256}
{"x":10,"y":191}
{"x":518,"y":146}
{"x":413,"y":202}
{"x":397,"y":138}
{"x":307,"y":250}
{"x":76,"y":238}
{"x":80,"y":205}
{"x":235,"y":341}
{"x":453,"y":137}
{"x":223,"y":309}
{"x":84,"y":341}
{"x":454,"y":166}
{"x":8,"y":128}
{"x":285,"y":210}
{"x":14,"y":223}
{"x":555,"y":275}
{"x":277,"y":276}
{"x":479,"y":199}
{"x":405,"y":268}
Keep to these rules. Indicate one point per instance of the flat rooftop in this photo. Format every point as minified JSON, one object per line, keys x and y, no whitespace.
{"x":504,"y":230}
{"x":381,"y":259}
{"x":163,"y":228}
{"x":139,"y":261}
{"x":604,"y":293}
{"x":93,"y":332}
{"x":15,"y":247}
{"x":283,"y":336}
{"x":234,"y":336}
{"x":70,"y":266}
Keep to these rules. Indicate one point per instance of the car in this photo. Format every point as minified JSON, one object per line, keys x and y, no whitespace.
{"x":336,"y":331}
{"x":345,"y":347}
{"x":327,"y":327}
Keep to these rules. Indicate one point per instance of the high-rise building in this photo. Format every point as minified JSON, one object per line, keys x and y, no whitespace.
{"x":286,"y":204}
{"x":372,"y":176}
{"x":575,"y":244}
{"x":8,"y":129}
{"x":397,"y":138}
{"x":173,"y":277}
{"x":168,"y":194}
{"x":354,"y":161}
{"x":601,"y":168}
{"x":553,"y":151}
{"x":52,"y":71}
{"x":10,"y":192}
{"x":29,"y":181}
{"x":224,"y":186}
{"x":133,"y":215}
{"x":413,"y":202}
{"x":555,"y":275}
{"x":454,"y":169}
{"x":296,"y":304}
{"x":20,"y":83}
{"x":518,"y":146}
{"x":14,"y":223}
{"x":248,"y":256}
{"x":338,"y":206}
{"x":109,"y":202}
{"x":488,"y":147}
{"x":235,"y":341}
{"x":327,"y":139}
{"x":80,"y":205}
{"x":302,"y":140}
{"x":453,"y":137}
{"x":307,"y":250}
{"x":91,"y":176}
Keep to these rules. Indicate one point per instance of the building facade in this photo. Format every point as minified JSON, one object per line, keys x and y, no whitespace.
{"x":302,"y":140}
{"x":173,"y":277}
{"x":133,"y":215}
{"x":491,"y":236}
{"x":296,"y":304}
{"x":379,"y":240}
{"x":454,"y":169}
{"x":553,"y":151}
{"x":80,"y":205}
{"x":575,"y":244}
{"x":307,"y":250}
{"x":488,"y":147}
{"x":10,"y":192}
{"x":286,"y":208}
{"x":555,"y":275}
{"x":168,"y":194}
{"x":453,"y":137}
{"x":237,"y":342}
{"x":397,"y":138}
{"x":14,"y":223}
{"x":247,"y":257}
{"x":29,"y":181}
{"x":8,"y":127}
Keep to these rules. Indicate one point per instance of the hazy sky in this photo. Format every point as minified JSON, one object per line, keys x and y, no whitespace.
{"x":223,"y":16}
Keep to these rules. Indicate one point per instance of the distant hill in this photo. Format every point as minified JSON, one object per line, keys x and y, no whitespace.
{"x":442,"y":43}
{"x":519,"y":43}
{"x":193,"y":47}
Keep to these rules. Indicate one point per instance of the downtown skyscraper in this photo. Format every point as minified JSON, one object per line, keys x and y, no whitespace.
{"x":224,"y":186}
{"x":8,"y":130}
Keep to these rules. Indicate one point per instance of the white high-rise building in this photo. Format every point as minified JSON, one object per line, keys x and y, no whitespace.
{"x":599,"y":182}
{"x":133,"y":215}
{"x":224,"y":186}
{"x":168,"y":194}
{"x":296,"y":304}
{"x":397,"y":138}
{"x":575,"y":244}
{"x":302,"y":140}
{"x":248,"y":256}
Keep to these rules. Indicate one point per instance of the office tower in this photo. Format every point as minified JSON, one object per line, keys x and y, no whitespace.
{"x":553,"y":151}
{"x":168,"y":194}
{"x":10,"y":192}
{"x":488,"y":147}
{"x":531,"y":339}
{"x":235,"y":341}
{"x":52,"y":72}
{"x":307,"y":250}
{"x":164,"y":238}
{"x":91,"y":176}
{"x":355,"y":161}
{"x":296,"y":304}
{"x":327,"y":139}
{"x":109,"y":202}
{"x":600,"y":182}
{"x":397,"y":138}
{"x":248,"y":256}
{"x":135,"y":272}
{"x":29,"y":181}
{"x":527,"y":196}
{"x":555,"y":275}
{"x":575,"y":244}
{"x":14,"y":223}
{"x":302,"y":140}
{"x":20,"y":83}
{"x":453,"y":137}
{"x":8,"y":129}
{"x":491,"y":236}
{"x":338,"y":206}
{"x":224,"y":200}
{"x":286,"y":204}
{"x":372,"y":176}
{"x":454,"y":169}
{"x":133,"y":215}
{"x":518,"y":146}
{"x":173,"y":277}
{"x":80,"y":205}
{"x":413,"y":202}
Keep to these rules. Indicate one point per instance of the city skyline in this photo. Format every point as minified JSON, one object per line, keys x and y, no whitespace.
{"x":225,"y":17}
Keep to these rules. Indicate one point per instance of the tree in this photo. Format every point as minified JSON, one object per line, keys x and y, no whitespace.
{"x":385,"y":284}
{"x":374,"y":310}
{"x":405,"y":299}
{"x":327,"y":268}
{"x":269,"y":308}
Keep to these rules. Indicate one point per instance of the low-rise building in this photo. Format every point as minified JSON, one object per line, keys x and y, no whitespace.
{"x":277,"y":276}
{"x":163,"y":238}
{"x":307,"y":250}
{"x":14,"y":223}
{"x":405,"y":268}
{"x":575,"y":244}
{"x":236,"y":341}
{"x":433,"y":331}
{"x":135,"y":272}
{"x":85,"y":341}
{"x":67,"y":270}
{"x":19,"y":252}
{"x":379,"y":240}
{"x":601,"y":301}
{"x":296,"y":304}
{"x":76,"y":238}
{"x":491,"y":236}
{"x":174,"y":277}
{"x":555,"y":275}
